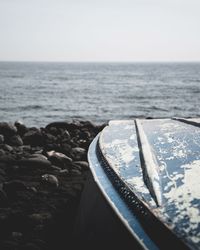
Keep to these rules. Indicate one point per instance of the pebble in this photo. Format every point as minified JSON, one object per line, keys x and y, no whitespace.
{"x":7,"y":147}
{"x":35,"y":162}
{"x":58,"y":159}
{"x":83,"y":164}
{"x":50,"y":179}
{"x":35,"y":193}
{"x":64,"y":171}
{"x":55,"y":168}
{"x":78,"y":153}
{"x":76,"y":171}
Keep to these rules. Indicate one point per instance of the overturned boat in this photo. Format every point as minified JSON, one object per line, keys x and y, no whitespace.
{"x":148,"y":172}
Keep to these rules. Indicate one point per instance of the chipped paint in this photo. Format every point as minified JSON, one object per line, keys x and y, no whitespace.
{"x":171,"y":151}
{"x":118,"y":143}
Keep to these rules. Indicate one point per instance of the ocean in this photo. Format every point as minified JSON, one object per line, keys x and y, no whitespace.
{"x":39,"y":93}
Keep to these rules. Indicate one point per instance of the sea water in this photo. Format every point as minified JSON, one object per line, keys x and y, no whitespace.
{"x":39,"y":93}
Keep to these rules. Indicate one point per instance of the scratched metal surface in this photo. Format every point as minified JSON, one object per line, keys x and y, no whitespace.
{"x":174,"y":146}
{"x":118,"y":143}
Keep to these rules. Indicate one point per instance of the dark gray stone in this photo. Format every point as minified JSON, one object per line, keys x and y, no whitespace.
{"x":15,"y":141}
{"x":33,"y":137}
{"x":59,"y":159}
{"x":7,"y":148}
{"x":62,"y":125}
{"x":78,"y":153}
{"x":83,"y":164}
{"x":7,"y":129}
{"x":50,"y":179}
{"x":21,"y":128}
{"x":38,"y":161}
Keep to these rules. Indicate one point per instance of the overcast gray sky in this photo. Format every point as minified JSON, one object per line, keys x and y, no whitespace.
{"x":100,"y":30}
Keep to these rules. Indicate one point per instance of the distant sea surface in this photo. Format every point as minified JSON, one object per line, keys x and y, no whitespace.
{"x":39,"y":93}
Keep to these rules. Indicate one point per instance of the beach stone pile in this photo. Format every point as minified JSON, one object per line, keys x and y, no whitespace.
{"x":42,"y":175}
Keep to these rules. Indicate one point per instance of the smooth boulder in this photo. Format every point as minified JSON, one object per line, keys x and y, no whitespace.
{"x":7,"y":129}
{"x":58,"y":159}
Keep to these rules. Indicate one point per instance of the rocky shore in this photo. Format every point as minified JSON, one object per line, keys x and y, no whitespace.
{"x":42,"y":175}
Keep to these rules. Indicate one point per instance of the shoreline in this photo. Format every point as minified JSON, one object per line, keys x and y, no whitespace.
{"x":42,"y":175}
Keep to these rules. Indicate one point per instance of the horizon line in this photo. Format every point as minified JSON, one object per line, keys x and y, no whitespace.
{"x":100,"y":61}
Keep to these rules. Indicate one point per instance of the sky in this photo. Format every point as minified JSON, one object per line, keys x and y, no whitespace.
{"x":100,"y":30}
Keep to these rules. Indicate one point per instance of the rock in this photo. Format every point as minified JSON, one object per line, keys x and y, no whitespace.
{"x":55,"y":168}
{"x":49,"y":138}
{"x":38,"y":161}
{"x":66,"y":136}
{"x":85,"y":135}
{"x":64,"y":125}
{"x":59,"y":159}
{"x":15,"y":141}
{"x":13,"y":186}
{"x":75,"y":171}
{"x":78,"y":153}
{"x":7,"y":147}
{"x":53,"y":131}
{"x":26,"y":148}
{"x":50,"y":179}
{"x":65,"y":148}
{"x":83,"y":164}
{"x":7,"y":129}
{"x":1,"y":139}
{"x":39,"y":218}
{"x":64,"y":171}
{"x":21,"y":128}
{"x":33,"y":137}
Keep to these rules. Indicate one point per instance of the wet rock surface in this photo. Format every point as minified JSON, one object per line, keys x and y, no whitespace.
{"x":42,"y":175}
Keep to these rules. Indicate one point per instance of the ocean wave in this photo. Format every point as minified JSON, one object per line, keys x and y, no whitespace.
{"x":30,"y":107}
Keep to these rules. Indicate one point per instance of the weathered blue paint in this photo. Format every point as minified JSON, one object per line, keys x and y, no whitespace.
{"x":155,"y":167}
